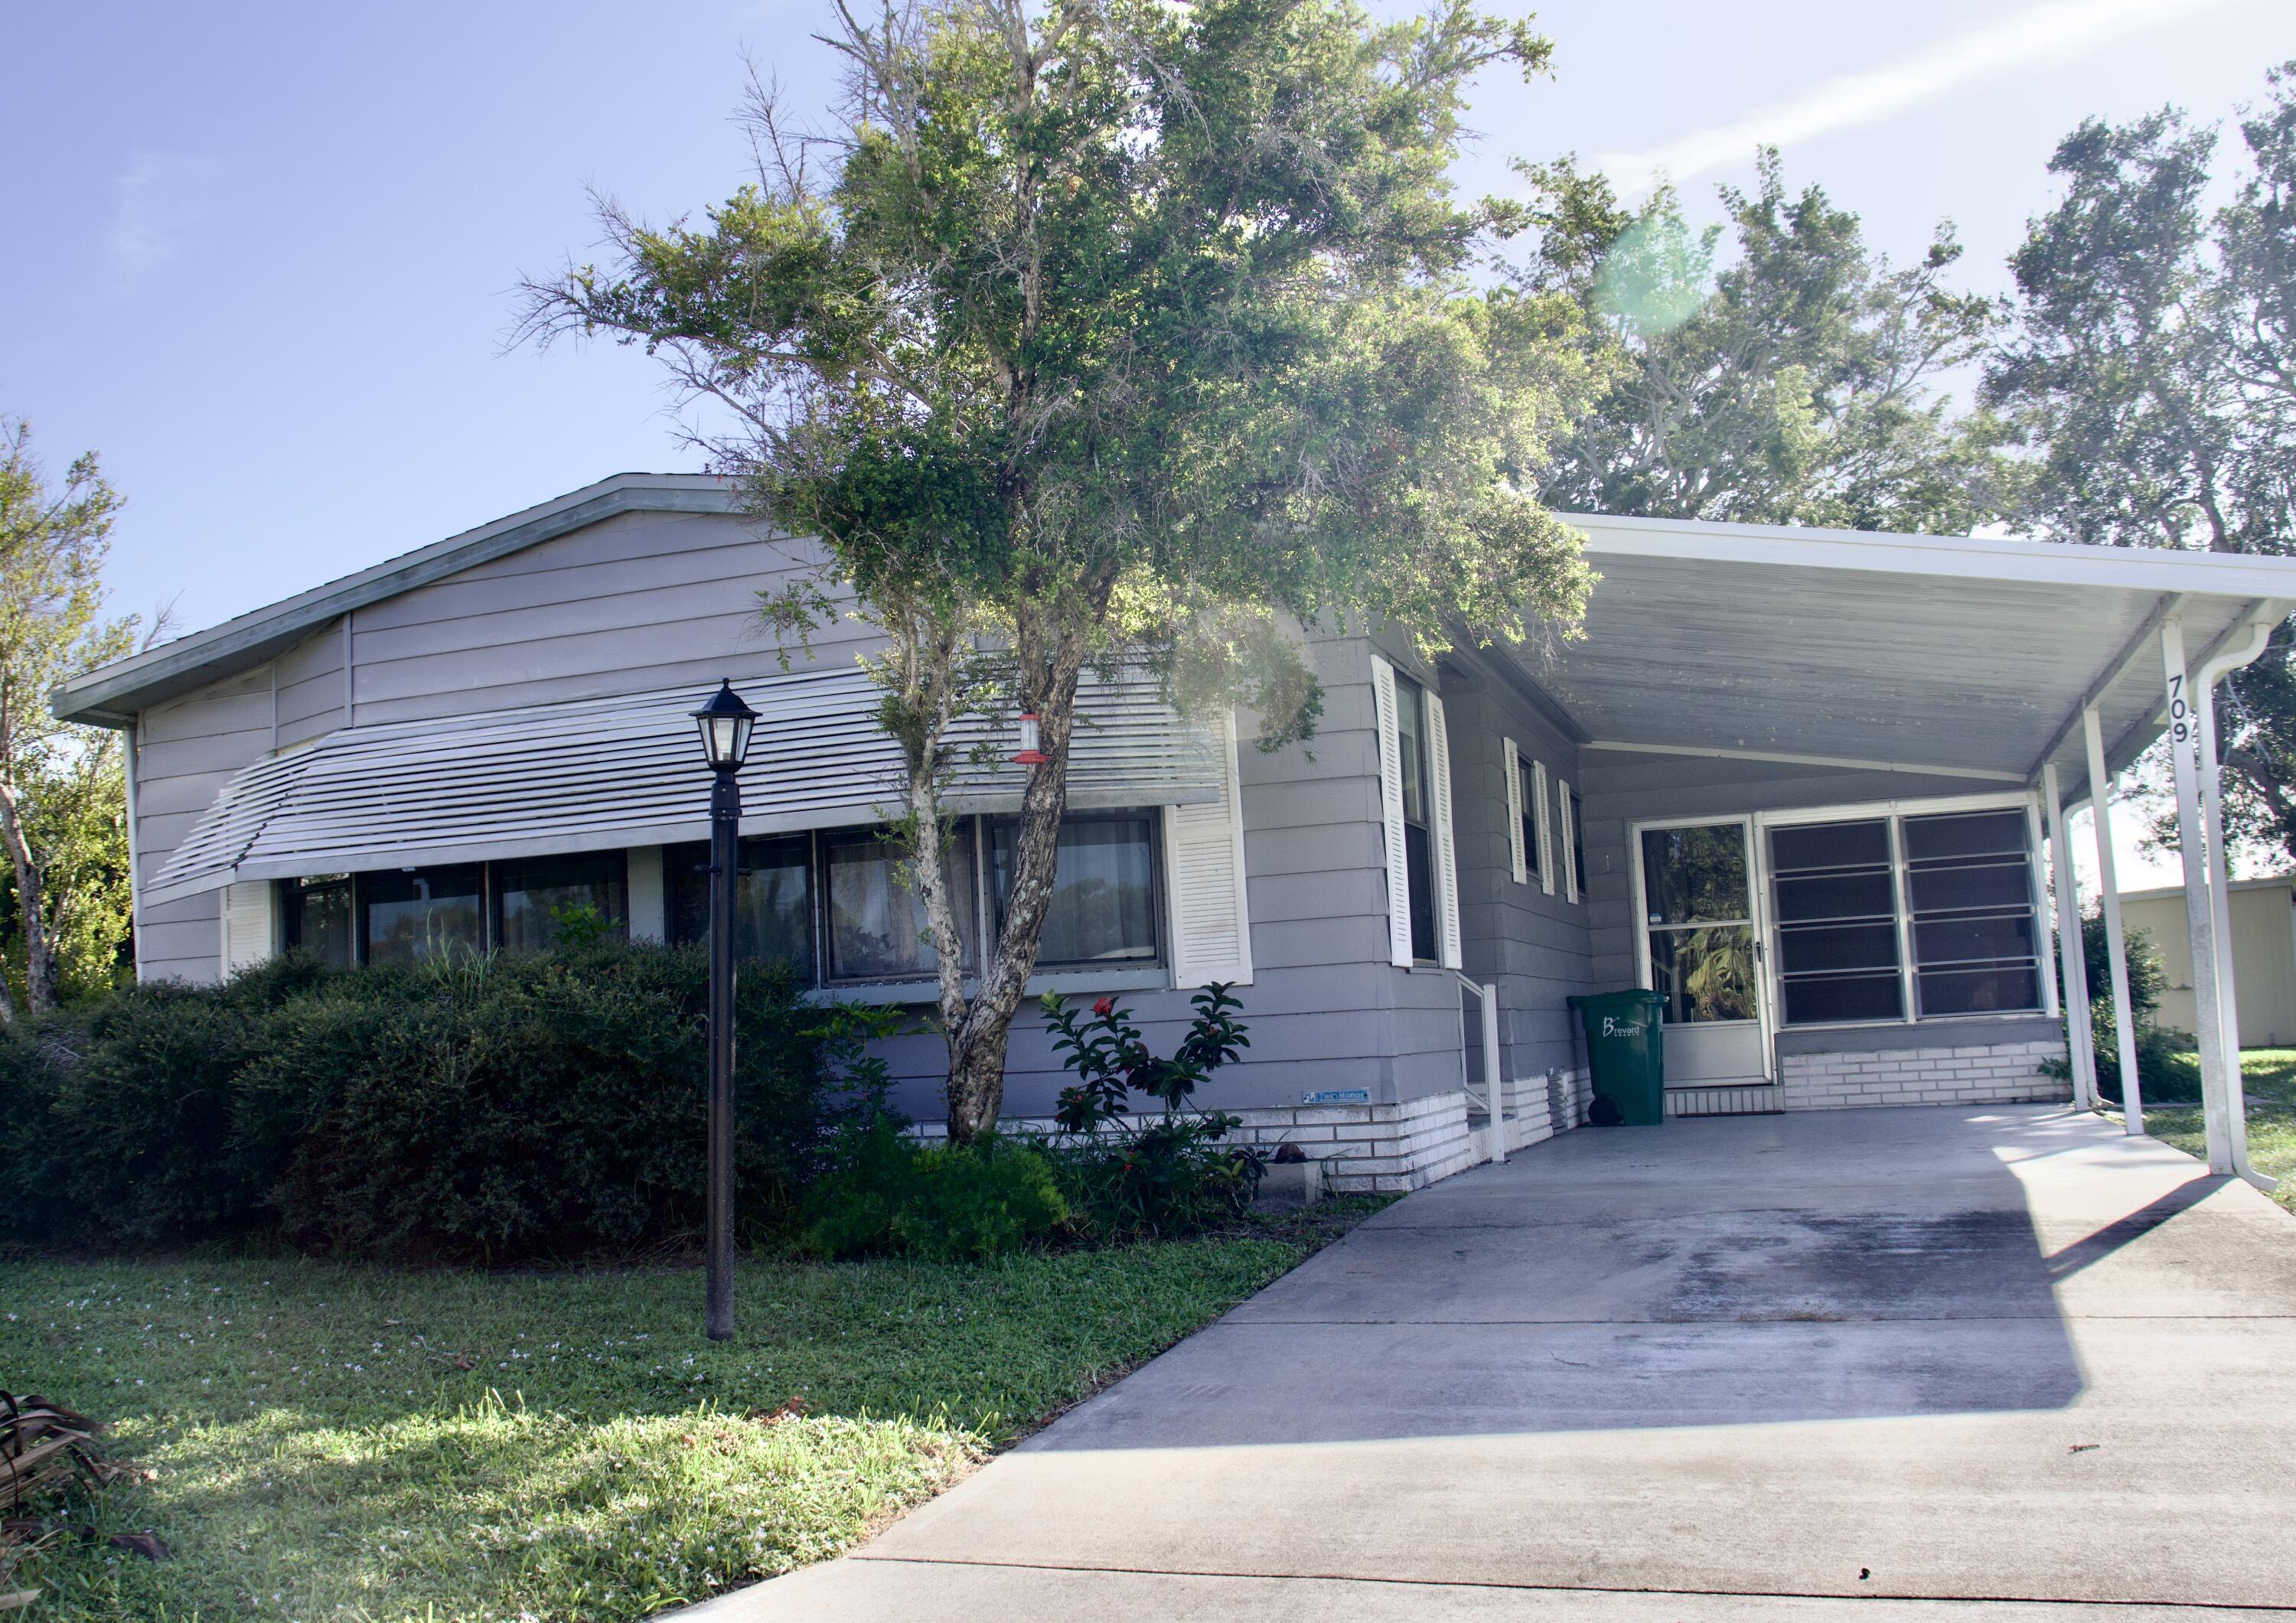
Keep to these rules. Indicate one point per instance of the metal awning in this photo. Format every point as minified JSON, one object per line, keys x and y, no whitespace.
{"x":1964,"y":657}
{"x":604,"y":774}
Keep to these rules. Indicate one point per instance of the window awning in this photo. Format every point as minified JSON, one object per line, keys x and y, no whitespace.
{"x":599,"y":774}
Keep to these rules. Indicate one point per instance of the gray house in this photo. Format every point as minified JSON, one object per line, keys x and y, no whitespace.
{"x":1798,"y":782}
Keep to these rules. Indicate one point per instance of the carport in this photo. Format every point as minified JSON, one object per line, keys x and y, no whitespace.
{"x":1966,"y":668}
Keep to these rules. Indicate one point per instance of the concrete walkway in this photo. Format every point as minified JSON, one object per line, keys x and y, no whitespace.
{"x":1995,"y":1363}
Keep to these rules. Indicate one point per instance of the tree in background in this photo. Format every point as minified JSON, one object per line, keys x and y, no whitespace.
{"x":1794,"y":385}
{"x":2149,"y":381}
{"x":62,"y":797}
{"x":1106,"y":331}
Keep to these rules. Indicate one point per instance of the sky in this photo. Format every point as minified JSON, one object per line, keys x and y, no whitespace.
{"x":262,"y":257}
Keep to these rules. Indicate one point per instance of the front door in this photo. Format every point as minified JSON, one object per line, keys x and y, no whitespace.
{"x":1701,"y":951}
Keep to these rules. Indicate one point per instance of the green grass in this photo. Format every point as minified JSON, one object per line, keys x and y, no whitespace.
{"x":2268,"y":1081}
{"x":323,"y":1452}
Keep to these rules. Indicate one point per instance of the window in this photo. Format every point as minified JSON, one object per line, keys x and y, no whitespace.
{"x":1104,"y":906}
{"x":1837,"y":921}
{"x":1530,"y":794}
{"x":1969,"y":892}
{"x":1576,"y":812}
{"x":1418,"y":843}
{"x":1695,"y":896}
{"x":876,"y":923}
{"x":772,"y":899}
{"x":533,"y":895}
{"x":316,"y":916}
{"x":1919,"y":917}
{"x":410,"y":917}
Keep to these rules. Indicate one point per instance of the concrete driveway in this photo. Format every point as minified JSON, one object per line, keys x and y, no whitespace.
{"x":1979,"y":1364}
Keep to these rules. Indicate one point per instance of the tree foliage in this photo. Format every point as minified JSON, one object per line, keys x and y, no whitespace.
{"x":2151,"y":380}
{"x":1110,"y":330}
{"x":1791,"y":380}
{"x":63,"y":795}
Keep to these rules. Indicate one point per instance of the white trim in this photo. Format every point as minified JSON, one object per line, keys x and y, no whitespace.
{"x":1447,"y":859}
{"x":1544,"y":820}
{"x":2080,"y":1037}
{"x":1757,"y":920}
{"x":1391,"y":805}
{"x":1204,"y":881}
{"x":1567,"y":848}
{"x":1511,"y":758}
{"x":1781,"y":757}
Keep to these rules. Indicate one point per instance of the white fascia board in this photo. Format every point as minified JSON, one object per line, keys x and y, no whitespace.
{"x":1953,"y":557}
{"x":111,"y":694}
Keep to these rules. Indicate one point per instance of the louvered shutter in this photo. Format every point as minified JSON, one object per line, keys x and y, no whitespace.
{"x":1391,"y":806}
{"x":1568,"y":856}
{"x":1446,"y":861}
{"x":1513,"y":765}
{"x":1542,"y":827}
{"x":1203,"y":874}
{"x":246,"y":925}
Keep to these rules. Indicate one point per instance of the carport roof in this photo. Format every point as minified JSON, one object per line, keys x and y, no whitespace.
{"x":1955,"y":655}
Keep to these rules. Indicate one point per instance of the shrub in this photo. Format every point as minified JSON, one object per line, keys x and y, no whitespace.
{"x":475,"y":1108}
{"x":2147,"y":979}
{"x":1171,"y":1176}
{"x":949,"y":1202}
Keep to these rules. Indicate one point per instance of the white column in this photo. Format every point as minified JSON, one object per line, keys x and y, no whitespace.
{"x":2236,"y":1105}
{"x":2081,"y":1036}
{"x":2199,"y":919}
{"x":2100,"y":790}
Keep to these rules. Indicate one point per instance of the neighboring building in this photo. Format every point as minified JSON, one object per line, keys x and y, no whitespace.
{"x":2263,"y":955}
{"x":1790,"y":777}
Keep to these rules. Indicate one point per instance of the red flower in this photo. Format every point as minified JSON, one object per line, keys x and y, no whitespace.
{"x":1105,"y":1007}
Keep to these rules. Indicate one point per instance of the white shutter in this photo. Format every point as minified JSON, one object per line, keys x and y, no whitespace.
{"x":1567,"y":853}
{"x":1544,"y":829}
{"x":1513,"y":765}
{"x":647,"y":896}
{"x":1447,"y":862}
{"x":246,"y":925}
{"x":1203,"y":874}
{"x":1391,"y":806}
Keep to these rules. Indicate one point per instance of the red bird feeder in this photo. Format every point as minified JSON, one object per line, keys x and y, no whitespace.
{"x":1028,"y":755}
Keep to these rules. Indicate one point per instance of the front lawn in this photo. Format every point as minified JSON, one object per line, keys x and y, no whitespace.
{"x":2268,"y":1079}
{"x":370,"y":1445}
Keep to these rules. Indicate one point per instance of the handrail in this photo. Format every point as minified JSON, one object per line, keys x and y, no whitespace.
{"x":1493,"y":1101}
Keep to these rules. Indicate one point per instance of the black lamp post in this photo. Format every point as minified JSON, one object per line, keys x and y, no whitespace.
{"x":725,"y":723}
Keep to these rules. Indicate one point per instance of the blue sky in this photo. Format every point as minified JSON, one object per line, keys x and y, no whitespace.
{"x":260,"y":257}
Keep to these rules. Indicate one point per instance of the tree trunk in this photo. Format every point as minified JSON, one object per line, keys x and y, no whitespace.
{"x":978,"y":1042}
{"x":39,"y":967}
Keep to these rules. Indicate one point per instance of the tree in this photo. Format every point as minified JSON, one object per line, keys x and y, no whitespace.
{"x":1113,"y":331}
{"x":2150,"y":382}
{"x":62,"y":822}
{"x":1796,"y":384}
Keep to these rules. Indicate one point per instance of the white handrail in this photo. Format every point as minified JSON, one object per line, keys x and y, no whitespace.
{"x":1494,"y":1103}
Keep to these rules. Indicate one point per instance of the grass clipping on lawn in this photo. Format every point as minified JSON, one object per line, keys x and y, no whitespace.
{"x":359,"y":1443}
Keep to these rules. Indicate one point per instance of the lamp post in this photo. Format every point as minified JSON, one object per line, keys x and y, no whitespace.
{"x":725,"y":723}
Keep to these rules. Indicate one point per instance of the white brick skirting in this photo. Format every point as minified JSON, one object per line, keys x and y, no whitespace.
{"x":2005,"y":1073}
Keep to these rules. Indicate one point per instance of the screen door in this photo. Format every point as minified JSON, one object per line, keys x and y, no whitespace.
{"x":1701,"y":951}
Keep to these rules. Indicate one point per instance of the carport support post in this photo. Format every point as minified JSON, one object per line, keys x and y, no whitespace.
{"x":2116,"y":944}
{"x":2200,"y":913}
{"x":2236,"y":1105}
{"x":2080,"y":1038}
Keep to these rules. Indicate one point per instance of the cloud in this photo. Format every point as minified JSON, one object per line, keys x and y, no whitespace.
{"x":163,"y":200}
{"x":2049,"y":33}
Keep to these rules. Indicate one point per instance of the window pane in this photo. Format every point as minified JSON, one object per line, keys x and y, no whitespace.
{"x":1941,"y":941}
{"x":319,"y":919}
{"x":1993,"y":884}
{"x":1411,"y":732}
{"x":772,"y":899}
{"x":1835,"y":896}
{"x":1704,"y":974}
{"x":1103,"y":906}
{"x":1831,"y":845}
{"x":1419,"y":866}
{"x":1527,"y":777}
{"x":1964,"y":834}
{"x":1692,"y":875}
{"x":1816,"y":999}
{"x":1578,"y":849}
{"x":876,"y":923}
{"x":1979,"y":991}
{"x":535,"y":895}
{"x":1837,"y":947}
{"x":410,"y":918}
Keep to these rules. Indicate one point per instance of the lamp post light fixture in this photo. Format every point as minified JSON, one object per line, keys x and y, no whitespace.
{"x":725,"y":724}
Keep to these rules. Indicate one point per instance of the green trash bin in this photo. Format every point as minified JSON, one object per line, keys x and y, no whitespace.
{"x":1625,"y":1051}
